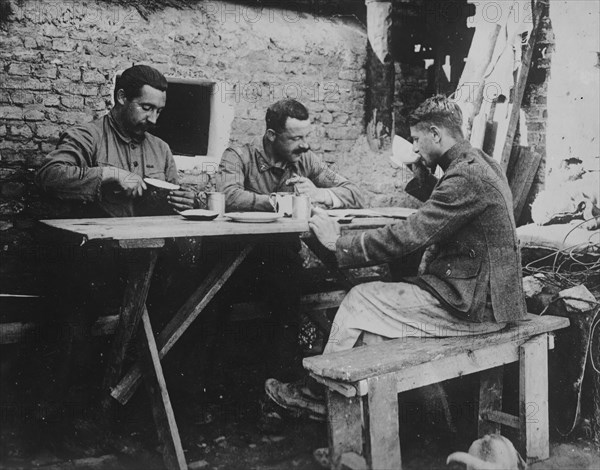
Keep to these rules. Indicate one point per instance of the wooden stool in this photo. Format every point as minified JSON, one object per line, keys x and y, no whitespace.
{"x":363,"y":386}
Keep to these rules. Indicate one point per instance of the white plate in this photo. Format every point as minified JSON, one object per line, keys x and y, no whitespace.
{"x":199,"y":214}
{"x":253,"y":217}
{"x":161,"y":184}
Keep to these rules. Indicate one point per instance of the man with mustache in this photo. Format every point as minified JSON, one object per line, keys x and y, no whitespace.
{"x":280,"y":161}
{"x":104,"y":162}
{"x":99,"y":167}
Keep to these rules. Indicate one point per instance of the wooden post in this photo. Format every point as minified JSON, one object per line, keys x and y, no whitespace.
{"x":141,"y":267}
{"x":344,"y":424}
{"x":519,"y":89}
{"x":521,"y":178}
{"x":382,"y":427}
{"x":533,"y":398}
{"x":490,"y":399}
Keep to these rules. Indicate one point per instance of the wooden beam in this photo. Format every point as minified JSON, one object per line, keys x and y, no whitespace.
{"x":164,"y":418}
{"x":491,"y":384}
{"x":346,"y":390}
{"x":344,"y":424}
{"x":519,"y":89}
{"x":521,"y":179}
{"x":500,"y":417}
{"x":134,"y":304}
{"x":382,"y":427}
{"x":533,"y":398}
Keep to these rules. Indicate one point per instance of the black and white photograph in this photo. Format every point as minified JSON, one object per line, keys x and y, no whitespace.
{"x":299,"y":235}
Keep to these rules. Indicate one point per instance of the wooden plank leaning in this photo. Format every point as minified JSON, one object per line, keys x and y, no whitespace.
{"x":519,"y":89}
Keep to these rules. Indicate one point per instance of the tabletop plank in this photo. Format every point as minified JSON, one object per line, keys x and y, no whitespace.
{"x":174,"y":226}
{"x":169,"y":226}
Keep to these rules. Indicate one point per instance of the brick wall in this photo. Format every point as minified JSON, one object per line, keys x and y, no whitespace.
{"x":57,"y":61}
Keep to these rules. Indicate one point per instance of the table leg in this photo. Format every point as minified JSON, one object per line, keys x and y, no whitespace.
{"x":141,"y":267}
{"x":162,"y":410}
{"x":184,"y":317}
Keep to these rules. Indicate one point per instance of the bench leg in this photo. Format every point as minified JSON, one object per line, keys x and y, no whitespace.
{"x":344,"y":423}
{"x":533,"y":398}
{"x":490,"y":399}
{"x":382,"y":429}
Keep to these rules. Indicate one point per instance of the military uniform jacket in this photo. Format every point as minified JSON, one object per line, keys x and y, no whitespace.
{"x":469,"y":217}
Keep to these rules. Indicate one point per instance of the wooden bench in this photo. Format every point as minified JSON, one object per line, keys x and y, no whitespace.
{"x":363,"y":385}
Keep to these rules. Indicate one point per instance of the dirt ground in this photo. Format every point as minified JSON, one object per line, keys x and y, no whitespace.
{"x":217,"y":395}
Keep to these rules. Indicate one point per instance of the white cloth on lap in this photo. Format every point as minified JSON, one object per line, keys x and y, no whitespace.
{"x":385,"y":310}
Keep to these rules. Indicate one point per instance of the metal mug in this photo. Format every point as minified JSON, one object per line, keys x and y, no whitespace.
{"x":301,"y":207}
{"x":216,"y":202}
{"x":282,"y":202}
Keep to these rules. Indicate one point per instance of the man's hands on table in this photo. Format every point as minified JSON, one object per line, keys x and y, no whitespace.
{"x":326,"y":229}
{"x":305,"y":187}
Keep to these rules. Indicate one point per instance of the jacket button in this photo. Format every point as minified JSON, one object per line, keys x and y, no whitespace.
{"x":472,"y":254}
{"x":448,"y":272}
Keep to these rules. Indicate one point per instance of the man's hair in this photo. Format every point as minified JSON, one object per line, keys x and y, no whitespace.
{"x":278,"y":113}
{"x":439,"y":111}
{"x":134,"y":78}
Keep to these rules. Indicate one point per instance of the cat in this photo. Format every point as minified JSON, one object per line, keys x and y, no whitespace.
{"x":491,"y":452}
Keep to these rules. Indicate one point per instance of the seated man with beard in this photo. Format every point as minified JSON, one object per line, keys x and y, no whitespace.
{"x":103,"y":163}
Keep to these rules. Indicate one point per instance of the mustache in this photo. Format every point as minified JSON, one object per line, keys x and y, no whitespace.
{"x":148,"y":126}
{"x":302,"y":150}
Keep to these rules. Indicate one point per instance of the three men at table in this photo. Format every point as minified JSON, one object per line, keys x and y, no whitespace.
{"x":471,"y":283}
{"x":104,"y":162}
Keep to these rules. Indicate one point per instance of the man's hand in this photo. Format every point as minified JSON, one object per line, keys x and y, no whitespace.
{"x":325,"y":228}
{"x":419,"y":170}
{"x":129,"y":183}
{"x":182,"y":200}
{"x":305,"y":187}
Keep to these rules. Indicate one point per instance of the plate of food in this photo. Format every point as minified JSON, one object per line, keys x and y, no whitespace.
{"x":160,"y":184}
{"x":253,"y":217}
{"x":198,"y":214}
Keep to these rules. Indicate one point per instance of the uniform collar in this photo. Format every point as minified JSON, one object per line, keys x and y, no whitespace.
{"x":460,"y":150}
{"x":121,"y":133}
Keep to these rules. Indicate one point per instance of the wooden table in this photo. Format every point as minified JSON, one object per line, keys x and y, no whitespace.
{"x":141,"y":238}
